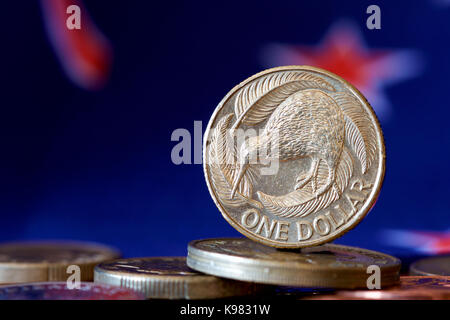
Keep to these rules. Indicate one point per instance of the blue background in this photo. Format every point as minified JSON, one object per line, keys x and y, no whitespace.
{"x":96,"y":165}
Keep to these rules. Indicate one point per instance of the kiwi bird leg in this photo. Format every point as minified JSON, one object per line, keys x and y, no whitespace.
{"x":238,"y":178}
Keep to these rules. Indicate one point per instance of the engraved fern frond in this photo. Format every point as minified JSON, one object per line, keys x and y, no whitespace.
{"x":256,"y":102}
{"x":360,"y":132}
{"x":303,"y":202}
{"x":223,"y":168}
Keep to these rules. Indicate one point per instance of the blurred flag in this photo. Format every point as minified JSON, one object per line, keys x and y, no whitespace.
{"x":429,"y":242}
{"x":343,"y":52}
{"x":85,"y":54}
{"x":442,"y":2}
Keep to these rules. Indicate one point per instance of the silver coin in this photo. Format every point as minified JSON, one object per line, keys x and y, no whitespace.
{"x":168,"y":278}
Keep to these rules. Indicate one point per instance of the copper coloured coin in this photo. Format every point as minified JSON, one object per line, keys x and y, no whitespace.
{"x":60,"y":291}
{"x":409,"y":288}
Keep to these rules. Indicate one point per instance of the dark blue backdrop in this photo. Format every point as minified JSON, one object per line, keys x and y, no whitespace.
{"x":96,"y":165}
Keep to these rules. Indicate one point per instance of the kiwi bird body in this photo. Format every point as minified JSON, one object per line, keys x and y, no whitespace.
{"x":307,"y":124}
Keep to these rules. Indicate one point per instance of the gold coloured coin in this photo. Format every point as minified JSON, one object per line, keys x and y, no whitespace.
{"x":168,"y":278}
{"x":48,"y":261}
{"x":326,"y":266}
{"x":294,"y":157}
{"x":433,"y":266}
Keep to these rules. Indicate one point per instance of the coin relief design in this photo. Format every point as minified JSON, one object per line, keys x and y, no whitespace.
{"x":170,"y":266}
{"x":322,"y":138}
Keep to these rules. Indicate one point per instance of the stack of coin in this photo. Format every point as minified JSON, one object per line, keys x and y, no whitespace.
{"x":169,"y":278}
{"x":326,"y":266}
{"x":293,"y":158}
{"x":307,"y":167}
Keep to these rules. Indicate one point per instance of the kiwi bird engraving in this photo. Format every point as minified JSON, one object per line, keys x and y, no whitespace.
{"x":307,"y":124}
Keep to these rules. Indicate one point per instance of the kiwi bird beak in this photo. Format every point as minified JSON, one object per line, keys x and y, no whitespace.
{"x":238,"y":178}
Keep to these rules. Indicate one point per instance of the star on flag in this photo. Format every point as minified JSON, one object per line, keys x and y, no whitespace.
{"x":344,"y":52}
{"x":84,"y":54}
{"x":428,"y":242}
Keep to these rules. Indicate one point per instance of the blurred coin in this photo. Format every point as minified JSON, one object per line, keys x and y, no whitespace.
{"x":60,"y":291}
{"x":294,"y":157}
{"x":48,"y":261}
{"x":406,"y":282}
{"x":433,"y":266}
{"x":429,"y":282}
{"x":168,"y":278}
{"x":410,"y":288}
{"x":326,"y":266}
{"x":423,"y":294}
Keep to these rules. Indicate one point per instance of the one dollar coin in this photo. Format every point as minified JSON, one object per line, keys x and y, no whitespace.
{"x":294,"y":157}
